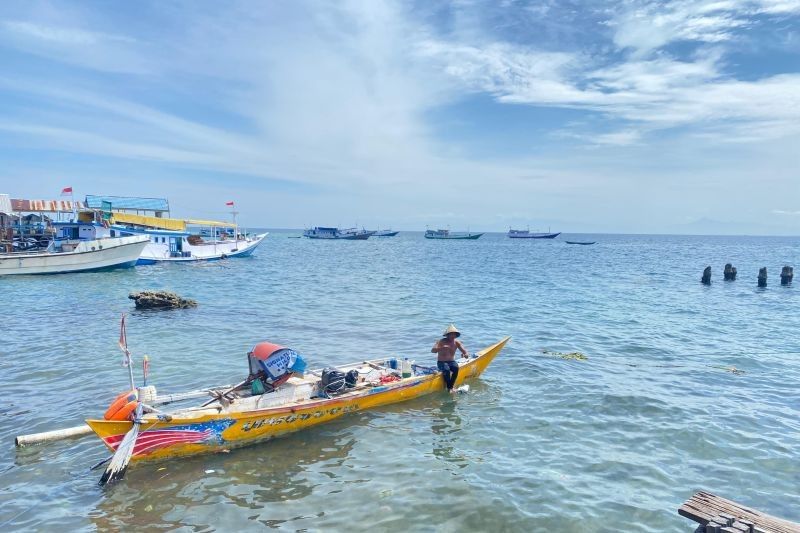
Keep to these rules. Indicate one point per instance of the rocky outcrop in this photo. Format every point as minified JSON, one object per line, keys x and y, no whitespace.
{"x":160,"y":300}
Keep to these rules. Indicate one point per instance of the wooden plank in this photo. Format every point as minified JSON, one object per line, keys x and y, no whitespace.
{"x":705,"y":507}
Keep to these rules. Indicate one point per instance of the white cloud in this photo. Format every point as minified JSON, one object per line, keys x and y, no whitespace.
{"x":110,"y":52}
{"x":60,"y":35}
{"x":645,"y":26}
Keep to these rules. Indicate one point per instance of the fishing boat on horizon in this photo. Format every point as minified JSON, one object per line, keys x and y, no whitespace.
{"x":385,"y":233}
{"x":527,"y":234}
{"x":174,"y":239}
{"x":279,"y":396}
{"x":327,"y":233}
{"x":80,"y":244}
{"x":447,"y":234}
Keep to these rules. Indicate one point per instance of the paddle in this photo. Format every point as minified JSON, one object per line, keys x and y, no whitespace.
{"x":119,"y":462}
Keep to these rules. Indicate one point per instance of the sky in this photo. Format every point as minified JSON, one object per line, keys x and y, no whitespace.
{"x":627,"y":116}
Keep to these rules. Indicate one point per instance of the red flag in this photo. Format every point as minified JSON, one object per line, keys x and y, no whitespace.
{"x":66,"y":191}
{"x":229,"y":203}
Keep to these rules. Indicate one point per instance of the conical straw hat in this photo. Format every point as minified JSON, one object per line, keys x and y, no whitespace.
{"x":451,"y":329}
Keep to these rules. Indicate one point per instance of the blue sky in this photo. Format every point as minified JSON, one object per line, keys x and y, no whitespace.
{"x":623,"y":116}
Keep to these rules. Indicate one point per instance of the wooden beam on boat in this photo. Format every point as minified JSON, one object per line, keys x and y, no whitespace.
{"x":720,"y":514}
{"x":50,"y":436}
{"x":80,"y":431}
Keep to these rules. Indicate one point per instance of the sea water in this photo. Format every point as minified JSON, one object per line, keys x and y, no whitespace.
{"x":679,"y":386}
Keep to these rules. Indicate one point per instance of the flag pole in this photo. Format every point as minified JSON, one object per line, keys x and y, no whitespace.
{"x":123,"y":344}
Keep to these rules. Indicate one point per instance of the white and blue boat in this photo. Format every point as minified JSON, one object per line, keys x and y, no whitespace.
{"x":172,"y":239}
{"x":528,"y":234}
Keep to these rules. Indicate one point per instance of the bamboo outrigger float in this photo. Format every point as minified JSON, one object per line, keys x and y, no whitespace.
{"x":247,"y":414}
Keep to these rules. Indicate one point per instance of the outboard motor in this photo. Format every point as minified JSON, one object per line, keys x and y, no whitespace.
{"x":333,"y":381}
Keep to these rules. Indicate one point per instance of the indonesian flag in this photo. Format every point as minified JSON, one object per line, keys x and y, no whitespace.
{"x":229,"y":204}
{"x":66,"y":191}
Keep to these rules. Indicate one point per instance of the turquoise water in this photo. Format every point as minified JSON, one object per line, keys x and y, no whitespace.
{"x":614,"y":442}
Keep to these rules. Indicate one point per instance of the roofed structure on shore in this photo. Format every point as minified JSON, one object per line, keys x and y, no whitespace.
{"x":157,"y":206}
{"x":19,"y":205}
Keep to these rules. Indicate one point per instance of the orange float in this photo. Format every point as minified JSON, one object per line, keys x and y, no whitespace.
{"x":122,"y":406}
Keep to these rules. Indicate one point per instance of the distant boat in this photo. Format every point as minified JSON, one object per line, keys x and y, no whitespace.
{"x":350,"y":234}
{"x":446,"y":234}
{"x":356,"y":234}
{"x":385,"y":233}
{"x":581,"y":242}
{"x":526,"y":234}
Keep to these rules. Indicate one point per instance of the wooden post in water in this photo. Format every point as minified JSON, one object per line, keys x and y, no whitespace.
{"x":729,"y":273}
{"x":762,"y":277}
{"x":706,"y":279}
{"x":787,"y":273}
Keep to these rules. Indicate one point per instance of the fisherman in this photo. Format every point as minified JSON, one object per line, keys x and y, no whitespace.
{"x":445,"y":350}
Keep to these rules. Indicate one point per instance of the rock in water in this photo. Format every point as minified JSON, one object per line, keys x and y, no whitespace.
{"x":160,"y":300}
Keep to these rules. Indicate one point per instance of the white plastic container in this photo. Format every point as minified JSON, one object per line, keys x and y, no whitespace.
{"x":148,"y":394}
{"x":406,"y":368}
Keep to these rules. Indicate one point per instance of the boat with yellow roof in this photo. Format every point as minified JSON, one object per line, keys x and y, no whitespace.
{"x":173,"y":239}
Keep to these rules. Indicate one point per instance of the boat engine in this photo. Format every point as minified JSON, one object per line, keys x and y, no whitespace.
{"x":333,"y":381}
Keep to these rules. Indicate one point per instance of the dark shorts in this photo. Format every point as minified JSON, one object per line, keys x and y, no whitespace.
{"x":449,"y":370}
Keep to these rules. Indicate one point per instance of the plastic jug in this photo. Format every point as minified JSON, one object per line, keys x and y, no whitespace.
{"x":406,"y":368}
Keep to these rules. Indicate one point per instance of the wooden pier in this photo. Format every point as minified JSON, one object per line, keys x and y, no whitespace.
{"x":718,"y":515}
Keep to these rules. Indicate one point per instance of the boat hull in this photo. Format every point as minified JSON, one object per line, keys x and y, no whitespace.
{"x":470,"y":237}
{"x":213,"y":432}
{"x":101,"y":254}
{"x":160,"y":252}
{"x":356,"y":237}
{"x":534,"y":236}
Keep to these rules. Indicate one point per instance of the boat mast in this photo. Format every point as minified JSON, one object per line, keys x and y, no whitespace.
{"x":234,"y":212}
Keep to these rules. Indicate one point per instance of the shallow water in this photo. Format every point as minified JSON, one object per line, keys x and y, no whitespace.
{"x":614,"y":442}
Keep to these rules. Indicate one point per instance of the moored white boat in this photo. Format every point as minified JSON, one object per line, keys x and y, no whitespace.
{"x":173,"y":239}
{"x":182,"y":246}
{"x":75,"y":256}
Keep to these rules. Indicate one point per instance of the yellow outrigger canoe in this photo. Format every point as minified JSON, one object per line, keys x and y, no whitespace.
{"x":239,"y":417}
